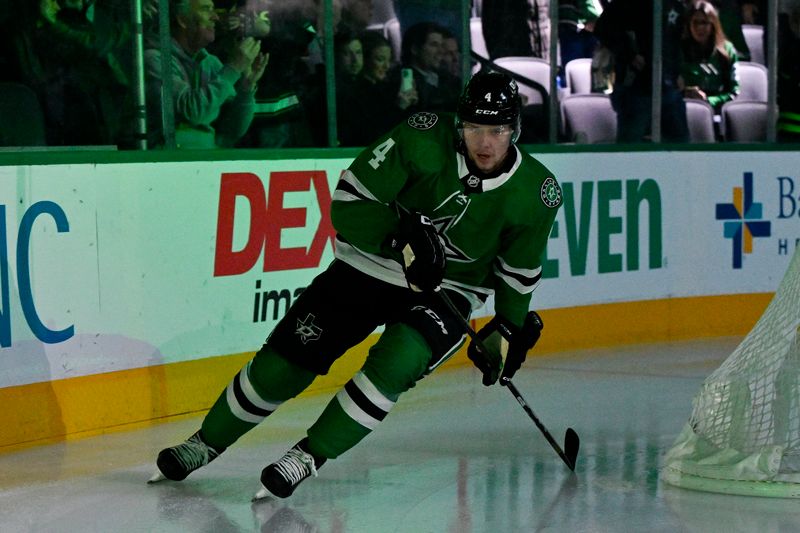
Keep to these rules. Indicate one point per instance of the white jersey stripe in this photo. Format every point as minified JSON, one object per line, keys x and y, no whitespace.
{"x":523,"y":272}
{"x":351,"y":178}
{"x":494,"y":183}
{"x":344,"y":196}
{"x":515,"y":284}
{"x":391,"y":272}
{"x":522,"y":280}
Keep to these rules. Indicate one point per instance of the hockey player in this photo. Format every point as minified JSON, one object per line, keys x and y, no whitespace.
{"x":436,"y":204}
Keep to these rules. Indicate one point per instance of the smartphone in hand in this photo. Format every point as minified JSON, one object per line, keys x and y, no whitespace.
{"x":406,"y":79}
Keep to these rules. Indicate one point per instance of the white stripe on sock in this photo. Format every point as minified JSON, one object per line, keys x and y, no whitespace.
{"x":250,"y":392}
{"x":372,"y":393}
{"x":237,"y":410}
{"x":354,"y":411}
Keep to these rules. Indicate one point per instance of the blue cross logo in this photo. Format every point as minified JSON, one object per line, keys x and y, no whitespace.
{"x":742,"y":220}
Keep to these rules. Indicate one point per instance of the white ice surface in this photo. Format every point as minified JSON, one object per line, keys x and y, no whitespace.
{"x":453,"y":456}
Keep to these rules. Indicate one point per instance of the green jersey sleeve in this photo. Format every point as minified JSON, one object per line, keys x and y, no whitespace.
{"x":364,"y":210}
{"x":518,"y":266}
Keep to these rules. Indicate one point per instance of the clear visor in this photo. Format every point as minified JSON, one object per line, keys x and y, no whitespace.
{"x":469,"y":130}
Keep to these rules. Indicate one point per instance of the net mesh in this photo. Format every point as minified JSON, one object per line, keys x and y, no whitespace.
{"x":743,"y":436}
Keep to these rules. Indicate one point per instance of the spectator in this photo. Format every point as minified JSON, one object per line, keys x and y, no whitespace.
{"x":381,"y":101}
{"x":6,"y":47}
{"x":516,"y":28}
{"x":56,"y":52}
{"x":246,"y":18}
{"x":281,"y":115}
{"x":506,"y":28}
{"x":754,"y":12}
{"x":213,"y":101}
{"x":789,"y":72}
{"x":437,"y":90}
{"x":348,"y":61}
{"x":446,"y":13}
{"x":377,"y":52}
{"x":348,"y":56}
{"x":356,"y":16}
{"x":451,"y":54}
{"x":113,"y":28}
{"x":709,"y":59}
{"x":576,"y":20}
{"x":626,"y":28}
{"x":731,"y":16}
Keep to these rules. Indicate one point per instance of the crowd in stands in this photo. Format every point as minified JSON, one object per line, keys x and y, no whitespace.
{"x":252,"y":73}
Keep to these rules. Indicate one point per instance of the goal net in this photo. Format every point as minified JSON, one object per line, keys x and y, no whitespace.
{"x":743,"y":436}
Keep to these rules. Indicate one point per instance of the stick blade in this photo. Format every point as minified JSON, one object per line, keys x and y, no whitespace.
{"x":572,"y":443}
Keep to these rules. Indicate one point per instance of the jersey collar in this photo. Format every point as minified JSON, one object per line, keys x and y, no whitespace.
{"x":475,"y":181}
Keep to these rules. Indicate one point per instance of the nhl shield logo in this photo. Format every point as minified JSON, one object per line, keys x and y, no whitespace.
{"x":423,"y":120}
{"x":550,"y":193}
{"x":473,"y":181}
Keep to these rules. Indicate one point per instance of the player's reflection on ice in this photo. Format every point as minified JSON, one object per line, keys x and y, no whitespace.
{"x":525,"y":492}
{"x":275,"y":516}
{"x":192,"y":509}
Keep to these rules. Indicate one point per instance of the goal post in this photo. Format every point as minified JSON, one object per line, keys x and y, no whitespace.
{"x":743,"y":436}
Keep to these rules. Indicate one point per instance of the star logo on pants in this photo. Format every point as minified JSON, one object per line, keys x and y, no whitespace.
{"x":307,"y":330}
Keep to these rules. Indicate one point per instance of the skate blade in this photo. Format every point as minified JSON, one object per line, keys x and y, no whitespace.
{"x":261,"y":494}
{"x":158,"y":476}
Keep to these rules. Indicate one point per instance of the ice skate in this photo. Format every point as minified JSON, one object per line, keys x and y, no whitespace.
{"x":179,"y":461}
{"x":283,"y":476}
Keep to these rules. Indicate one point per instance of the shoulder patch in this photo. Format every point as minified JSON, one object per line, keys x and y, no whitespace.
{"x":550,"y":192}
{"x":423,"y":120}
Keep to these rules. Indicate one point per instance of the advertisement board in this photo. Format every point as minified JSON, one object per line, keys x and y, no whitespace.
{"x":116,"y":266}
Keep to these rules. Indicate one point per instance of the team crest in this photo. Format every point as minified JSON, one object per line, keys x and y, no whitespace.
{"x":423,"y":120}
{"x":307,"y":330}
{"x":550,"y":192}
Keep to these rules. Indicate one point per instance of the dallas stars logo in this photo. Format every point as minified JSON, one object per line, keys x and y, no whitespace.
{"x":672,"y":17}
{"x":422,"y":120}
{"x":451,"y":251}
{"x":307,"y":330}
{"x":550,"y":193}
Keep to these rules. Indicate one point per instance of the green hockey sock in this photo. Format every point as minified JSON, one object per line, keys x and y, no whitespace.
{"x":393,"y":366}
{"x":253,"y":394}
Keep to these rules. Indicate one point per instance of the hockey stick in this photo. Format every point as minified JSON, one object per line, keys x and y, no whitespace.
{"x":571,"y":441}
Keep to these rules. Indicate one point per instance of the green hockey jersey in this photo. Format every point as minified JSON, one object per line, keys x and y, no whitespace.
{"x":494,"y":239}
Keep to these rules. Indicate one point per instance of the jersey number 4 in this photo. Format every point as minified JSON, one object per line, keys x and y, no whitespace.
{"x":380,"y":153}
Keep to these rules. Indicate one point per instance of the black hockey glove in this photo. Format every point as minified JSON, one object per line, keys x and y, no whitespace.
{"x":422,"y":252}
{"x":507,"y":344}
